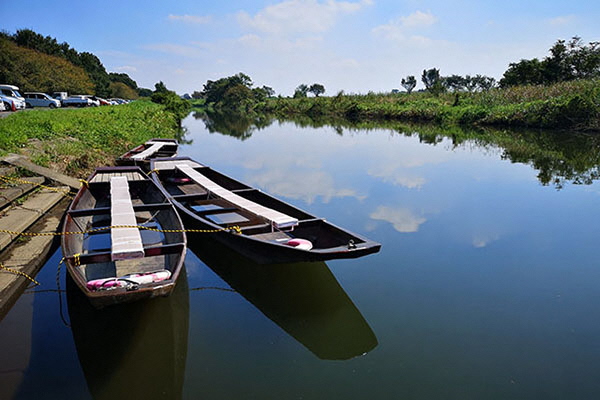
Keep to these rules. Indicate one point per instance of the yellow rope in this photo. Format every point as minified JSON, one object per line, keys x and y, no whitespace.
{"x":154,"y":171}
{"x":83,"y":182}
{"x":236,"y":229}
{"x":19,"y":180}
{"x":77,"y":259}
{"x":19,"y":273}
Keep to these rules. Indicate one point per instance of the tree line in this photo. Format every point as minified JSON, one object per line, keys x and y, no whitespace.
{"x":45,"y":60}
{"x":567,"y":61}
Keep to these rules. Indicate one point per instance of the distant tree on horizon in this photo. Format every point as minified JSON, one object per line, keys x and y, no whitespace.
{"x":409,"y":83}
{"x":301,"y":91}
{"x":316,"y":89}
{"x":432,"y":80}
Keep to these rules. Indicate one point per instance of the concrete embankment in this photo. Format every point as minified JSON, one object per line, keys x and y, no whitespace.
{"x":31,"y":203}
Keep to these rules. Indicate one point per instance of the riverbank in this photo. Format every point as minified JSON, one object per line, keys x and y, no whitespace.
{"x":75,"y":141}
{"x":571,"y":105}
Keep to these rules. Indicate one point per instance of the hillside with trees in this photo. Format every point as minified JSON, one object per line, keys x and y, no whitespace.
{"x":34,"y":71}
{"x":39,"y":63}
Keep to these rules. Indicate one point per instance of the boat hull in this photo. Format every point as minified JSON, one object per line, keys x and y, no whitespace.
{"x":88,"y":256}
{"x":258,"y":240}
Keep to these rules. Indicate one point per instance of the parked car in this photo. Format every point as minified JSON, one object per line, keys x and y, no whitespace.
{"x":60,"y":96}
{"x":11,"y":103}
{"x":77,"y":101}
{"x":98,"y":100}
{"x":119,"y":101}
{"x":15,"y":99}
{"x":36,"y":99}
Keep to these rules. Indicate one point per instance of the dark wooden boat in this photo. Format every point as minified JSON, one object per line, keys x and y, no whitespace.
{"x":270,"y":230}
{"x":153,"y":148}
{"x":122,"y":264}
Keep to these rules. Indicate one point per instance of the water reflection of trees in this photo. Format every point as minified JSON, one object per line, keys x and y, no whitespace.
{"x":240,"y":126}
{"x":559,"y":157}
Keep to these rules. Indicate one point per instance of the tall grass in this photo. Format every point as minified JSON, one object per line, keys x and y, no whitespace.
{"x":570,"y":105}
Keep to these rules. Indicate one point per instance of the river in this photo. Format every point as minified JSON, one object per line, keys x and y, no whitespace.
{"x":486,"y":286}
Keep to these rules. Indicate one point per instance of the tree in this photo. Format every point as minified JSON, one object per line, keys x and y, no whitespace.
{"x":454,"y":83}
{"x":409,"y":83}
{"x":567,"y":61}
{"x":301,"y":91}
{"x":316,"y":89}
{"x":268,"y":91}
{"x":432,"y":81}
{"x":214,"y":91}
{"x":144,"y":92}
{"x":122,"y":91}
{"x":173,"y":103}
{"x":123,"y":78}
{"x":160,"y":87}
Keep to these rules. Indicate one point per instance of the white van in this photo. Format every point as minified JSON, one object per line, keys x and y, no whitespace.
{"x":40,"y":100}
{"x":12,"y":93}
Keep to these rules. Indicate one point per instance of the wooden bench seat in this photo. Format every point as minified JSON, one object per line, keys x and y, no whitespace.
{"x":277,"y":219}
{"x":126,"y":243}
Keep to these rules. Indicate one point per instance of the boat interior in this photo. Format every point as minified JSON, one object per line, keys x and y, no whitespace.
{"x":225,"y":213}
{"x":96,"y":250}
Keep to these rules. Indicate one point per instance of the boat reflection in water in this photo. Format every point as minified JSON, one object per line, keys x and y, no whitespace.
{"x":304,"y":299}
{"x":136,"y":350}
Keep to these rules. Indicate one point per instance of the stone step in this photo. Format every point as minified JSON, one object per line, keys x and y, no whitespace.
{"x":21,"y":161}
{"x":12,"y":193}
{"x":7,"y":170}
{"x":19,"y":218}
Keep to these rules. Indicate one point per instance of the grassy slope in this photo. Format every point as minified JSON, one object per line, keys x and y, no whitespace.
{"x":569,"y":105}
{"x":75,"y":141}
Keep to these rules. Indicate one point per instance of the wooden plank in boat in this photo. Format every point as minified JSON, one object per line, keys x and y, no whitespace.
{"x":144,"y":265}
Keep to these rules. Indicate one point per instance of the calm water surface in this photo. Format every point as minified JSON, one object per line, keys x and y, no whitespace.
{"x":487,"y":287}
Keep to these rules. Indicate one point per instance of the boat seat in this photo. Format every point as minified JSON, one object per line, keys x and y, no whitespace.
{"x":277,"y":219}
{"x":154,"y":148}
{"x":126,"y":243}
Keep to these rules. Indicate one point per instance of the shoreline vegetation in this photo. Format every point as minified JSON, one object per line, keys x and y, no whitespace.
{"x":573,"y":105}
{"x":76,"y":141}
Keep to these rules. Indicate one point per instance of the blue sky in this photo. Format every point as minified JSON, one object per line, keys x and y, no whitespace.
{"x":355,"y":46}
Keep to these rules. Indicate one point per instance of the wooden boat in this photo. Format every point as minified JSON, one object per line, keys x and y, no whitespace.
{"x":153,"y":148}
{"x":122,"y":264}
{"x":270,"y":230}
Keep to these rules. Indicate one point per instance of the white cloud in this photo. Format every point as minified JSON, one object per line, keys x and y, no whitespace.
{"x":402,"y":219}
{"x":480,"y":241}
{"x":299,"y":16}
{"x":190,"y":19}
{"x":418,"y":19}
{"x":562,"y":20}
{"x":400,"y":29}
{"x":125,"y":68}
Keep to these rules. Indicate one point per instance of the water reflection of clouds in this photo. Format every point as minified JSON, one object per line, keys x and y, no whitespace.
{"x":402,"y":219}
{"x":480,"y":241}
{"x":301,"y":184}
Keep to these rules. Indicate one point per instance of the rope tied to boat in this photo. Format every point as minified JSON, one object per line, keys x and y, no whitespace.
{"x":84,"y":183}
{"x":154,"y":171}
{"x":14,"y":271}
